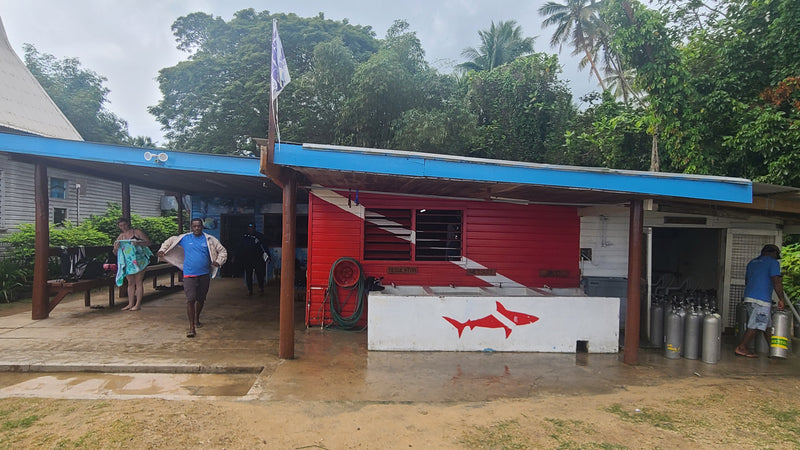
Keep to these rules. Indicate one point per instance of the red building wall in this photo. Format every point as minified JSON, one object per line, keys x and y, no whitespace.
{"x":533,"y":245}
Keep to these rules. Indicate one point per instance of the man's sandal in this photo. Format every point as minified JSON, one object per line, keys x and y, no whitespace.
{"x":745,"y":354}
{"x":190,"y":334}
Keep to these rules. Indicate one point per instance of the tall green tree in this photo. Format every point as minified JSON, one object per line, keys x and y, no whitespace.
{"x":80,"y":94}
{"x":322,"y":91}
{"x":500,"y":44}
{"x":523,"y":110}
{"x":218,"y":99}
{"x":577,"y":24}
{"x":390,"y":82}
{"x":609,"y":134}
{"x":722,"y":95}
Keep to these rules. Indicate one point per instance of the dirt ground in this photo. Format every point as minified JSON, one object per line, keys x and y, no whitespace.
{"x":748,"y":412}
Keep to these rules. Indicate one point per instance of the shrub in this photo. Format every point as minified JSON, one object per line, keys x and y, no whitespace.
{"x":13,"y":277}
{"x":95,"y":231}
{"x":158,"y":229}
{"x":790,"y":265}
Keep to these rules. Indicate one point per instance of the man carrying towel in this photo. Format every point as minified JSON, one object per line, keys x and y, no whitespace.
{"x":200,"y":256}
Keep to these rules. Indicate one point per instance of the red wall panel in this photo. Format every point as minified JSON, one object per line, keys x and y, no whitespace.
{"x":534,"y":245}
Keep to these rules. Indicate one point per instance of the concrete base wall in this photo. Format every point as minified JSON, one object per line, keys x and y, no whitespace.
{"x":513,"y":324}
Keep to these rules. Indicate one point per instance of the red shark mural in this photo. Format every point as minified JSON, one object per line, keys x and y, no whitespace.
{"x":491,"y":321}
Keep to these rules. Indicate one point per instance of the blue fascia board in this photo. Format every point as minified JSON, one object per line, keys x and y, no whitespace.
{"x":389,"y":162}
{"x":133,"y":156}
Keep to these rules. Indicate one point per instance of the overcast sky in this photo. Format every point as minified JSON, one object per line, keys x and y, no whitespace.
{"x":128,"y":41}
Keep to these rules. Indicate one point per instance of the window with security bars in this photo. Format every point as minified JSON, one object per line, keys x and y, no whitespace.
{"x":387,"y":234}
{"x":438,"y":235}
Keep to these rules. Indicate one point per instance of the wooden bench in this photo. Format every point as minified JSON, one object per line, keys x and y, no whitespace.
{"x":58,"y":289}
{"x":61,"y":288}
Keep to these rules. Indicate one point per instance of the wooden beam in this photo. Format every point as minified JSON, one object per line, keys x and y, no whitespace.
{"x":40,"y":308}
{"x":632,"y":320}
{"x":267,"y":148}
{"x":288,"y":243}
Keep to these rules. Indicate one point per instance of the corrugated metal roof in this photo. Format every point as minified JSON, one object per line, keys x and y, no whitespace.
{"x":26,"y":107}
{"x":453,"y":176}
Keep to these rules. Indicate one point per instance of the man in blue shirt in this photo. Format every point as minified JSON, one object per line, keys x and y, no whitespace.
{"x":762,"y":277}
{"x":200,"y":256}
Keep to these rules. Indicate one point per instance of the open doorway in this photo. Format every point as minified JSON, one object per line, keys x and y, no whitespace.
{"x":232,"y":227}
{"x":687,"y":259}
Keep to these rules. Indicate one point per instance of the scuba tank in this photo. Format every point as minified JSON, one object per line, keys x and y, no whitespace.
{"x":692,"y":332}
{"x":781,"y":329}
{"x":673,"y":333}
{"x":712,"y":338}
{"x":657,"y":325}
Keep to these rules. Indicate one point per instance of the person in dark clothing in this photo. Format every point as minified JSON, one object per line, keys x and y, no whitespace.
{"x":252,"y":254}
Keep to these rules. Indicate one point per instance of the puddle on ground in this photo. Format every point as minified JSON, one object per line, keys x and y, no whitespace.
{"x":80,"y":385}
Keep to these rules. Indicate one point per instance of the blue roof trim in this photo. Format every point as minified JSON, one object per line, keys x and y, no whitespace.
{"x":133,"y":156}
{"x":390,"y":162}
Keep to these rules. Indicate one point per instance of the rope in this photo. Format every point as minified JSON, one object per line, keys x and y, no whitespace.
{"x":336,"y":306}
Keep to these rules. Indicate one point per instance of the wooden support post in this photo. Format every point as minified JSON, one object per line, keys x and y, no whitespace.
{"x":41,"y":299}
{"x":126,"y":199}
{"x":286,"y":343}
{"x":180,"y":212}
{"x":632,"y":320}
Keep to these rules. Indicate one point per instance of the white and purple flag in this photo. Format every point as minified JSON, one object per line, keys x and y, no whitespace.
{"x":280,"y":72}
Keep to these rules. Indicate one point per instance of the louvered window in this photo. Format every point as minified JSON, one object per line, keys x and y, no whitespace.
{"x":387,"y":234}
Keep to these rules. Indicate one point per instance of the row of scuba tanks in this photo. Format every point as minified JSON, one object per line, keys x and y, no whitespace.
{"x":688,"y":325}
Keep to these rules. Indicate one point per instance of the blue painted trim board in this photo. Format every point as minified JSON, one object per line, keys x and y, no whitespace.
{"x":133,"y":156}
{"x":388,"y":162}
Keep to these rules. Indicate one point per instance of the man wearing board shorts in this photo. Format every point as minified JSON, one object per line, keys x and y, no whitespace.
{"x":763,"y":275}
{"x":200,"y":256}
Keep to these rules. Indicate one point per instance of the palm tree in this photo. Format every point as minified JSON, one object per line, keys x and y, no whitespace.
{"x":576,"y":23}
{"x":500,"y":44}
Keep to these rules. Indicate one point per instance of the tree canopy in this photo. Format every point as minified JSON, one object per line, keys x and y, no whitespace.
{"x":80,"y":94}
{"x":697,"y":87}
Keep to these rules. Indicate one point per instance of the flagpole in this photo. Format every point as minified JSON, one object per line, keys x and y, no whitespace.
{"x":279,"y":76}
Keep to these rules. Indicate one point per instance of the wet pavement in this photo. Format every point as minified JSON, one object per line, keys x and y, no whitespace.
{"x":105,"y":352}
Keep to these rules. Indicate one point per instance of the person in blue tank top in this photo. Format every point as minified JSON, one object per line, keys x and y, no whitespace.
{"x":200,"y":256}
{"x":763,"y":275}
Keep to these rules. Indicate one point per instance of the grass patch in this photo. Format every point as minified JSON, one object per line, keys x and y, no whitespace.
{"x":502,"y":435}
{"x":654,"y":418}
{"x":702,"y":402}
{"x":785,"y":419}
{"x":564,"y":429}
{"x":25,"y":422}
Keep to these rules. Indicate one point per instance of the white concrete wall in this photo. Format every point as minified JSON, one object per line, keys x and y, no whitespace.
{"x":416,"y":323}
{"x":605,"y":231}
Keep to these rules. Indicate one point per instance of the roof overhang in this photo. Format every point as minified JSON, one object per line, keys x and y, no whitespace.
{"x":171,"y":171}
{"x":428,"y":174}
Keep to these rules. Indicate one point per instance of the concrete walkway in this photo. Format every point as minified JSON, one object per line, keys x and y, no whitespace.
{"x":84,"y":352}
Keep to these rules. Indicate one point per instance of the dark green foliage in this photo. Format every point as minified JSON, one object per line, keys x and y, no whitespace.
{"x":13,"y":276}
{"x":522,"y":108}
{"x":80,"y":95}
{"x":158,"y":229}
{"x":609,"y":134}
{"x":500,"y":44}
{"x":17,"y":270}
{"x":218,"y":99}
